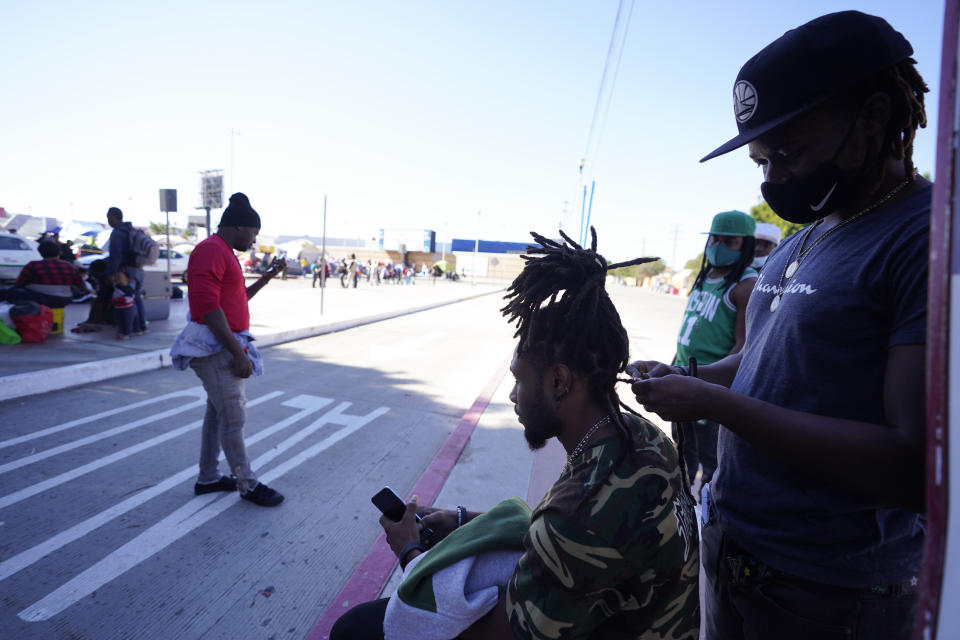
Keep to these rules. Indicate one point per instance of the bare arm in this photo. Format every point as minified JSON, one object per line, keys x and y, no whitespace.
{"x":882,"y":463}
{"x":268,"y":275}
{"x":740,"y":295}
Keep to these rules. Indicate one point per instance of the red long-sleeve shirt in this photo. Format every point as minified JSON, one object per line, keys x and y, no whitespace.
{"x":215,"y":281}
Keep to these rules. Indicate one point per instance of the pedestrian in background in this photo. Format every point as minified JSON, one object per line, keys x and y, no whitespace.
{"x":768,"y":237}
{"x":122,"y":258}
{"x":713,"y":325}
{"x":122,"y":301}
{"x":317,"y":269}
{"x":218,"y":346}
{"x":49,"y":281}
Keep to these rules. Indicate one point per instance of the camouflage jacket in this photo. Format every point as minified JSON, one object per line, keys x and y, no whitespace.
{"x":612,"y":551}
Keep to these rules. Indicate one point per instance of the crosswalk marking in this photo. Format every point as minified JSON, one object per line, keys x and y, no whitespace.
{"x":196,"y":392}
{"x":190,"y":516}
{"x":308,"y":405}
{"x":76,"y":472}
{"x":81,"y":442}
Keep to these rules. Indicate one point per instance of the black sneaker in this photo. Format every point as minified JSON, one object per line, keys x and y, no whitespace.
{"x":225,"y":483}
{"x":263,"y":496}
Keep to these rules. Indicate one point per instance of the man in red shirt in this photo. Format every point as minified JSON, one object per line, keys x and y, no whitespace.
{"x":48,"y":281}
{"x":218,"y":346}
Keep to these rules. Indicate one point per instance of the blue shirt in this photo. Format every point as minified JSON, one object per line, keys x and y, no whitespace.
{"x":856,"y":294}
{"x":119,"y":247}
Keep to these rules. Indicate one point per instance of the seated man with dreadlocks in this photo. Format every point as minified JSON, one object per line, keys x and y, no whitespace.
{"x":612,"y":550}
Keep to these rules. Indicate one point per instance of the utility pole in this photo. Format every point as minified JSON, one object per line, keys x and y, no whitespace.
{"x":323,"y":255}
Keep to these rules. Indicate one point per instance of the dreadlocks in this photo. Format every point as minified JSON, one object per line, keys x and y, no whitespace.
{"x":564,"y":314}
{"x":905,"y":87}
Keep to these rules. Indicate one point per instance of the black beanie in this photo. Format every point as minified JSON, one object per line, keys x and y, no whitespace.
{"x":239,"y":213}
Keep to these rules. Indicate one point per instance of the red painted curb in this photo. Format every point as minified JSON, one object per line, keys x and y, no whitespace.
{"x":374,"y":569}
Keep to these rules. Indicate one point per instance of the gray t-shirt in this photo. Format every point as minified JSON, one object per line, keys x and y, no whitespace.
{"x":824,"y":350}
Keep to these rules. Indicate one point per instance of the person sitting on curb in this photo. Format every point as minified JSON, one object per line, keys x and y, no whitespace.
{"x":49,"y":281}
{"x":612,"y":549}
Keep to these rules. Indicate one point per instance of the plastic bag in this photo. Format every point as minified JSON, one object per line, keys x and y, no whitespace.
{"x":8,"y":335}
{"x":33,"y":321}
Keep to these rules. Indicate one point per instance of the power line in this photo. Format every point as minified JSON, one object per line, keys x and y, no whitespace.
{"x":601,"y":107}
{"x":606,"y":70}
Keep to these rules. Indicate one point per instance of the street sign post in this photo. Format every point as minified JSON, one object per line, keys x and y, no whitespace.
{"x":168,"y":203}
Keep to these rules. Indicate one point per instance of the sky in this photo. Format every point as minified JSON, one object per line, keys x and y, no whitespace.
{"x":469,"y":118}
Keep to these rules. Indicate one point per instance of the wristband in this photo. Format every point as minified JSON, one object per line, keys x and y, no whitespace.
{"x":461,"y":516}
{"x":413,"y":546}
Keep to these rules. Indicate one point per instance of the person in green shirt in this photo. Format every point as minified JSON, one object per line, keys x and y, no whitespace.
{"x":713,"y":324}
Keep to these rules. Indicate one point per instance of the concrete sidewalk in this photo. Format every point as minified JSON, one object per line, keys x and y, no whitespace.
{"x":281,"y":312}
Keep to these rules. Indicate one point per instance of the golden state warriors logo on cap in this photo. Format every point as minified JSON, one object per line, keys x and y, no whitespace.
{"x":744,"y":101}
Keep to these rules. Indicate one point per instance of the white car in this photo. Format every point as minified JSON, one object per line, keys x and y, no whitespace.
{"x":15,"y":252}
{"x":178,"y":263}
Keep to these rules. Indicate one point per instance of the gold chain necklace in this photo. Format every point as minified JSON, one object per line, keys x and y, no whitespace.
{"x":583,"y":442}
{"x":791,"y":269}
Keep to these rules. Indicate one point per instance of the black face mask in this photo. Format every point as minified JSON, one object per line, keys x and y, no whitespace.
{"x":807,"y":199}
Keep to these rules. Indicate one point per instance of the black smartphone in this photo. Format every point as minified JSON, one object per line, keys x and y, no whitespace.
{"x":393,"y":506}
{"x":390,"y":504}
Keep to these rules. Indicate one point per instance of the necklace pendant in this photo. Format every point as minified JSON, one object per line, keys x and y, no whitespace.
{"x":792,"y":269}
{"x":775,"y":302}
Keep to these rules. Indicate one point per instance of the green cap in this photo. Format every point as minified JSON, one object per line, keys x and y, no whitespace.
{"x":733,"y":223}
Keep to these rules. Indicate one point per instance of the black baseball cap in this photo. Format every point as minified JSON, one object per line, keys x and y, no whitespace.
{"x":807,"y":65}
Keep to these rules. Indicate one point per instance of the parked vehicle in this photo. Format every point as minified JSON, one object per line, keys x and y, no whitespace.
{"x":178,"y":263}
{"x":15,"y":252}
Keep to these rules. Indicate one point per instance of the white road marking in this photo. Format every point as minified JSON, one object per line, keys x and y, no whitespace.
{"x":196,"y":392}
{"x":187,"y":518}
{"x":99,"y":463}
{"x":82,"y":442}
{"x":308,"y":404}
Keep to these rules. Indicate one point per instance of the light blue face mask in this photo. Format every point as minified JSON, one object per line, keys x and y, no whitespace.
{"x":720,"y":255}
{"x":758,"y":261}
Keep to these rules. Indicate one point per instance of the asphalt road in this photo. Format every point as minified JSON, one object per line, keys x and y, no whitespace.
{"x":101,"y":536}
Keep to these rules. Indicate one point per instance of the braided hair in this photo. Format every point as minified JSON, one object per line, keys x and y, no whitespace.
{"x":563,"y":314}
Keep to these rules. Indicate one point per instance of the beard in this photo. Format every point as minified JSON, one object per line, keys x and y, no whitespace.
{"x":540,"y":424}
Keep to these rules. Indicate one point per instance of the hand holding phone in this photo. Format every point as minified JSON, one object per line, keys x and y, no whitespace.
{"x":393,"y":506}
